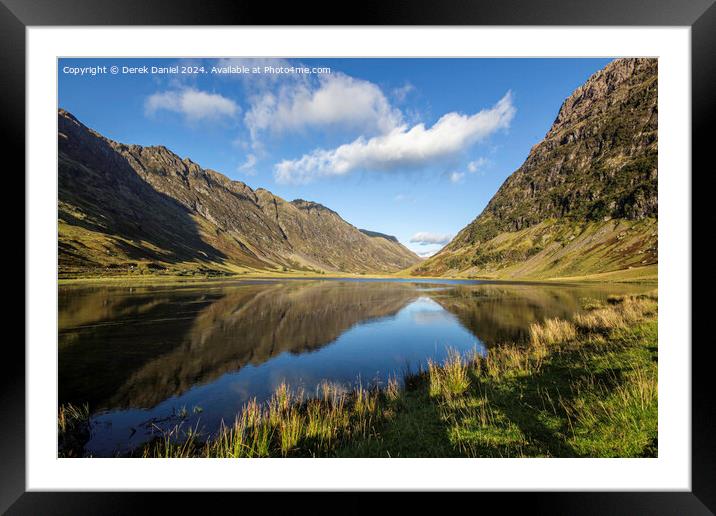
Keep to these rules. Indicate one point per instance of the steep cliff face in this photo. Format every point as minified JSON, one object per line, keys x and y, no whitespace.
{"x":126,"y":208}
{"x":585,"y":199}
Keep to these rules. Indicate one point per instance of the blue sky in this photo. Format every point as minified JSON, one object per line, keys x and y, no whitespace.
{"x":410,"y":147}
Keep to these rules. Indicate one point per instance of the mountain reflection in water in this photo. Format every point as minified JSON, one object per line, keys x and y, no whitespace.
{"x":137,"y":355}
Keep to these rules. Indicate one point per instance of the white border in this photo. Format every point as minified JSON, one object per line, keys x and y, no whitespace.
{"x":670,"y":471}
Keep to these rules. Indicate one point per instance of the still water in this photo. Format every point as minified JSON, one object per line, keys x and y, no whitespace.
{"x":148,"y":358}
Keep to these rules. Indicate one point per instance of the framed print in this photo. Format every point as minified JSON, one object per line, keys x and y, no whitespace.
{"x":439,"y":249}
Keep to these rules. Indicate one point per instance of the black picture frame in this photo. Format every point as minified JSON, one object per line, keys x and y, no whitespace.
{"x":700,"y":15}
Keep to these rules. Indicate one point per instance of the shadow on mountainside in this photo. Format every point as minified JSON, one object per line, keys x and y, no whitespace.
{"x":99,"y":191}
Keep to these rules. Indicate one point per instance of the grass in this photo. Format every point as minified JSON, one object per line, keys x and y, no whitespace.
{"x":72,"y":429}
{"x":450,"y":379}
{"x":199,"y":279}
{"x":552,"y":331}
{"x":586,"y":387}
{"x":562,"y":249}
{"x":622,"y":312}
{"x":644,"y":274}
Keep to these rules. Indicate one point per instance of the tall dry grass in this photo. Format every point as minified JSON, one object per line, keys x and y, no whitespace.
{"x":552,"y":331}
{"x":70,"y":416}
{"x":621,"y":312}
{"x":451,"y":378}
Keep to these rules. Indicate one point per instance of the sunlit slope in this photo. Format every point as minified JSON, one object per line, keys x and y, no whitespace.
{"x":553,"y":249}
{"x":585,"y":199}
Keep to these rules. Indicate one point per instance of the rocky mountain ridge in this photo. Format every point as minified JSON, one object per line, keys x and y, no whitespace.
{"x":584,"y":192}
{"x":128,"y":207}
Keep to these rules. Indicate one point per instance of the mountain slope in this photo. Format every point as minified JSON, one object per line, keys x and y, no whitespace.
{"x":127,"y":208}
{"x":585,"y":199}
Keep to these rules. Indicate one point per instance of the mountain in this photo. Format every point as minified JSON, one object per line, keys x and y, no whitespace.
{"x":127,"y":208}
{"x":585,"y":199}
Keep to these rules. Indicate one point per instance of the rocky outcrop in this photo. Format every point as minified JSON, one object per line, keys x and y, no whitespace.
{"x":375,"y":234}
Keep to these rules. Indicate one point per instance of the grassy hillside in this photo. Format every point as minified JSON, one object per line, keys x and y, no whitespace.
{"x":585,"y":201}
{"x":553,"y":248}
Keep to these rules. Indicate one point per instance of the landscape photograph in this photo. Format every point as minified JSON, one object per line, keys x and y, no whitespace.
{"x":357,"y":257}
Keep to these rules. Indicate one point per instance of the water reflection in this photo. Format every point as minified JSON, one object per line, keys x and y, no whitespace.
{"x":137,"y":355}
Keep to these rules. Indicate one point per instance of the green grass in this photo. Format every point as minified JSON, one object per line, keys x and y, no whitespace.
{"x":198,"y":279}
{"x":580,"y":388}
{"x":555,"y":249}
{"x":451,"y":379}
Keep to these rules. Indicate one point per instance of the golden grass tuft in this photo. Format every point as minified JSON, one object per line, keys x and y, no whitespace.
{"x":451,"y":379}
{"x":551,"y":331}
{"x":392,"y":389}
{"x":621,"y":312}
{"x":290,"y":431}
{"x":69,"y":416}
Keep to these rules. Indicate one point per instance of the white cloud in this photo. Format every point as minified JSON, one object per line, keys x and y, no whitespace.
{"x":476,"y":165}
{"x":337,"y":100}
{"x":400,"y":94}
{"x":194,"y":104}
{"x":401,"y":148}
{"x":457,"y":177}
{"x":426,"y":254}
{"x":427,"y":238}
{"x":248,"y":166}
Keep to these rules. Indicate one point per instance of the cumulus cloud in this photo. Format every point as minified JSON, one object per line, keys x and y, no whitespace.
{"x":403,"y":147}
{"x":193,"y":104}
{"x":427,"y":238}
{"x":335,"y":100}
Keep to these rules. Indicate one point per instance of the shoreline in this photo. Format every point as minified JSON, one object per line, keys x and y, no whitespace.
{"x":628,"y":276}
{"x":584,"y":387}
